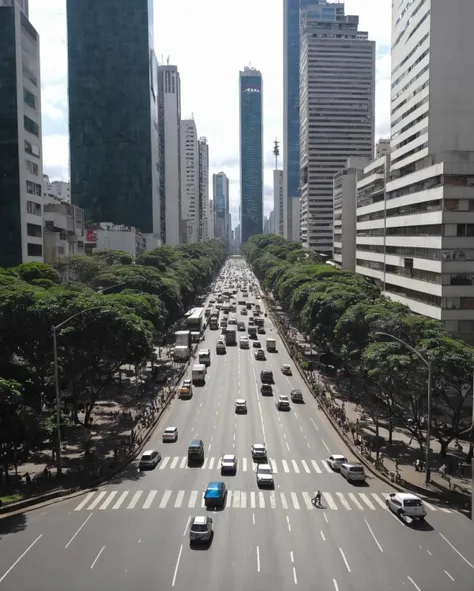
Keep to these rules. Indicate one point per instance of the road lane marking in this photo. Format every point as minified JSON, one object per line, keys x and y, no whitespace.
{"x":324,"y":443}
{"x":243,"y":500}
{"x":83,"y":503}
{"x":134,"y":500}
{"x":73,"y":537}
{"x":379,"y":501}
{"x":258,"y":560}
{"x":456,"y":550}
{"x":192,"y":499}
{"x":327,"y":466}
{"x":97,"y":500}
{"x":228,"y":499}
{"x":261,"y":500}
{"x":164,"y":463}
{"x":183,"y":463}
{"x":322,"y":535}
{"x":284,"y":503}
{"x":120,"y":500}
{"x":274,"y":466}
{"x":307,"y":500}
{"x":336,"y":588}
{"x":367,"y":501}
{"x":288,"y":522}
{"x":252,"y":500}
{"x":236,"y":499}
{"x":355,"y":501}
{"x":97,"y":557}
{"x":344,"y":503}
{"x":211,"y":463}
{"x":332,"y":505}
{"x":179,"y":499}
{"x":306,"y":467}
{"x":177,"y":566}
{"x":373,"y":535}
{"x":244,"y":464}
{"x":273,"y":503}
{"x":287,"y":446}
{"x":108,"y":500}
{"x":204,"y":465}
{"x":150,"y":498}
{"x":295,"y":466}
{"x":174,"y":463}
{"x":294,"y":498}
{"x":414,"y":584}
{"x":449,"y":575}
{"x":186,"y":526}
{"x":6,"y":573}
{"x":345,"y":560}
{"x":317,"y":469}
{"x":285,"y":466}
{"x":165,"y":499}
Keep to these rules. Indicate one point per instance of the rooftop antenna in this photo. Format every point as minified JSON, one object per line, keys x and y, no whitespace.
{"x":168,"y":61}
{"x":276,"y":152}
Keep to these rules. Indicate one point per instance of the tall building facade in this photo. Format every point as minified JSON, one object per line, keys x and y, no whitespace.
{"x":21,"y":165}
{"x":211,"y":220}
{"x":203,"y":147}
{"x":220,"y":193}
{"x":291,"y":109}
{"x":337,"y":113}
{"x":415,"y":232}
{"x":189,"y":181}
{"x":169,"y":121}
{"x":113,"y":113}
{"x":251,"y":153}
{"x":278,"y":203}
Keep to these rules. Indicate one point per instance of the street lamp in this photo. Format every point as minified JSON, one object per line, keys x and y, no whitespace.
{"x":428,"y":426}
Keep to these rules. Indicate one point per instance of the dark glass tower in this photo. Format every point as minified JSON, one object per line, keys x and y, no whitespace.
{"x":113,"y":112}
{"x":251,"y":155}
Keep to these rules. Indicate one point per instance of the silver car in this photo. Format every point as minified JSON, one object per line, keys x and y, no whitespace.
{"x":264,"y":475}
{"x":200,"y":529}
{"x":228,"y":464}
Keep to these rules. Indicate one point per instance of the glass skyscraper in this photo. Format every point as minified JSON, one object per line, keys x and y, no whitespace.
{"x":251,"y":153}
{"x":113,"y":113}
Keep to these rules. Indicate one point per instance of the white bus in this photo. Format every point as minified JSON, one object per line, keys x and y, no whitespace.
{"x":195,"y":320}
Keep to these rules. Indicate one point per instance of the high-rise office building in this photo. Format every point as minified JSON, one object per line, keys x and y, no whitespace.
{"x":278,"y":203}
{"x":203,"y":147}
{"x":113,"y":113}
{"x":21,"y":166}
{"x":291,"y":109}
{"x":415,"y":232}
{"x":211,"y":220}
{"x":169,"y":120}
{"x":189,"y":181}
{"x":220,"y":193}
{"x":251,"y":153}
{"x":337,"y":114}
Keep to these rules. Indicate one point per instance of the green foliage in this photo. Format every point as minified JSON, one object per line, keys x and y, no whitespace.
{"x":30,"y":272}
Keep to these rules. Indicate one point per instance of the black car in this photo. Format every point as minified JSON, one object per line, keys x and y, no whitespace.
{"x":296,"y":395}
{"x":266,"y":390}
{"x":266,"y":376}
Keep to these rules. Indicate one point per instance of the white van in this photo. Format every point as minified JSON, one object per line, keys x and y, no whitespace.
{"x":353,"y":472}
{"x":198,"y":374}
{"x":205,"y":357}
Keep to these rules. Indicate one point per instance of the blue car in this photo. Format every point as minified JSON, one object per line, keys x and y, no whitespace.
{"x":215,"y":494}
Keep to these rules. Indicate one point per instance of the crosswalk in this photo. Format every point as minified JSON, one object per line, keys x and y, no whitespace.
{"x":259,"y":499}
{"x":248,"y":465}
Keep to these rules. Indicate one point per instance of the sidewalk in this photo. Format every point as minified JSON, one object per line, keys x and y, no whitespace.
{"x":120,"y":423}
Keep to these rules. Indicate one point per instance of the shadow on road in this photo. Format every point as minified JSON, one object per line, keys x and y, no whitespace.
{"x":12,"y":525}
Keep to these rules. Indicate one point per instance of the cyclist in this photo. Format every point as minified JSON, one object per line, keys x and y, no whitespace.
{"x":317,"y":499}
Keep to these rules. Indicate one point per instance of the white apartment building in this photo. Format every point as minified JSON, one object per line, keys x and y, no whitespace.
{"x":344,"y":212}
{"x":415,"y":236}
{"x":63,"y":232}
{"x":169,"y":121}
{"x":56,"y":190}
{"x":203,"y":188}
{"x":108,"y":236}
{"x":21,"y":164}
{"x":337,"y":86}
{"x":189,"y":181}
{"x":278,"y":204}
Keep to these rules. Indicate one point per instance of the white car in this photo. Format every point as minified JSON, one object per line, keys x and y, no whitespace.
{"x":170,"y":434}
{"x":282,"y":402}
{"x":259,"y":451}
{"x":244,"y":343}
{"x":264,"y":475}
{"x":229,"y":463}
{"x":353,"y":472}
{"x":286,"y":369}
{"x":335,"y":461}
{"x":240,"y":406}
{"x":200,"y":529}
{"x":149,"y":459}
{"x":406,"y":505}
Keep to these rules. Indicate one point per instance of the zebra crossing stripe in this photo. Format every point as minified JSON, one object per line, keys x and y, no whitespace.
{"x":294,"y":498}
{"x":165,"y":499}
{"x":243,"y":500}
{"x":211,"y":464}
{"x":85,"y":501}
{"x":345,"y":504}
{"x":108,"y":500}
{"x":164,"y":463}
{"x":183,"y":463}
{"x":274,"y":466}
{"x":329,"y":500}
{"x":120,"y":500}
{"x":284,"y":504}
{"x":244,"y":464}
{"x":367,"y":501}
{"x":179,"y":499}
{"x":252,"y":499}
{"x":379,"y":501}
{"x":355,"y":501}
{"x":295,"y":466}
{"x":306,"y":467}
{"x":174,"y":463}
{"x":149,"y":500}
{"x":192,"y":499}
{"x":316,"y":467}
{"x":273,"y":502}
{"x":430,"y":506}
{"x":326,"y":465}
{"x":307,"y":500}
{"x":228,"y":502}
{"x":97,"y":500}
{"x":204,"y":465}
{"x":261,"y":500}
{"x":285,"y":466}
{"x":236,"y":500}
{"x":134,"y":500}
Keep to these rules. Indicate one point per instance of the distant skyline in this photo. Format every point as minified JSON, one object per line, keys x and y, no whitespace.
{"x":210,"y":78}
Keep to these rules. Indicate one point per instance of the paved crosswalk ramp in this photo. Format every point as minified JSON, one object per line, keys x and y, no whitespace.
{"x":259,"y":499}
{"x":247,"y":465}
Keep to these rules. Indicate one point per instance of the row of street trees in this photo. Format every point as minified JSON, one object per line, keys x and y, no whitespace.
{"x":142,"y":298}
{"x":342,"y":313}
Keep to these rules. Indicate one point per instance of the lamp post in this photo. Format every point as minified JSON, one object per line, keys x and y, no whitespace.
{"x":428,"y":426}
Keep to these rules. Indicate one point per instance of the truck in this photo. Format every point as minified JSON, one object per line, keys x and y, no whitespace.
{"x":220,"y":348}
{"x":252,"y":330}
{"x":230,"y":336}
{"x":271,"y":345}
{"x":181,"y":354}
{"x":214,"y":321}
{"x":195,"y":319}
{"x":182,"y":338}
{"x":204,"y":357}
{"x":198,"y":373}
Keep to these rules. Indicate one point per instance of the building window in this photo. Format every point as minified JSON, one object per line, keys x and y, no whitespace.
{"x":34,"y":230}
{"x":31,"y":126}
{"x":32,"y":168}
{"x":33,"y":208}
{"x":29,"y":98}
{"x":35,"y":250}
{"x":33,"y":188}
{"x":32,"y":149}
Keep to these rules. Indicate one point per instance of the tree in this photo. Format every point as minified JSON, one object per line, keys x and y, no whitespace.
{"x":30,"y":272}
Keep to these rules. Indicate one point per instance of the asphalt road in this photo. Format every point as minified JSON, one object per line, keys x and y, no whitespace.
{"x":133,"y":532}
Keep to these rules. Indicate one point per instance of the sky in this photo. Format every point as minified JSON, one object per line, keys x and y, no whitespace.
{"x":210,"y":41}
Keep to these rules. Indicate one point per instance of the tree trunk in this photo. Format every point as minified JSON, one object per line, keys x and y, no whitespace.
{"x":444,"y":448}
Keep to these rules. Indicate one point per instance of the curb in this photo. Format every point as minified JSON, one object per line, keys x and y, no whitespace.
{"x":354,"y":450}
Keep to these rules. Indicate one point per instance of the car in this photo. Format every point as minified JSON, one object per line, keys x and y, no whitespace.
{"x":215,"y":494}
{"x":201,"y":529}
{"x":186,"y":390}
{"x":243,"y":311}
{"x":240,"y":406}
{"x":286,"y":370}
{"x":282,"y":402}
{"x":228,"y":464}
{"x":335,"y":461}
{"x":406,"y":505}
{"x":257,"y":345}
{"x":149,"y":459}
{"x":296,"y":395}
{"x":259,"y":451}
{"x":266,"y":376}
{"x":266,"y":390}
{"x":241,"y":326}
{"x":261,"y":330}
{"x":260,"y":355}
{"x":264,"y":475}
{"x":244,"y":343}
{"x":170,"y":434}
{"x":353,"y":472}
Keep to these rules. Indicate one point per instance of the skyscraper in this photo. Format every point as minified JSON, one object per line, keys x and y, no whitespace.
{"x":337,"y":114}
{"x":113,"y":113}
{"x":251,"y":153}
{"x":189,"y":181}
{"x":203,"y":147}
{"x":169,"y":120}
{"x":291,"y":108}
{"x":21,"y":167}
{"x":220,"y":190}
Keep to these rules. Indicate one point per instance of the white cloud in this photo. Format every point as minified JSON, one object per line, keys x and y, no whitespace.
{"x":210,"y":41}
